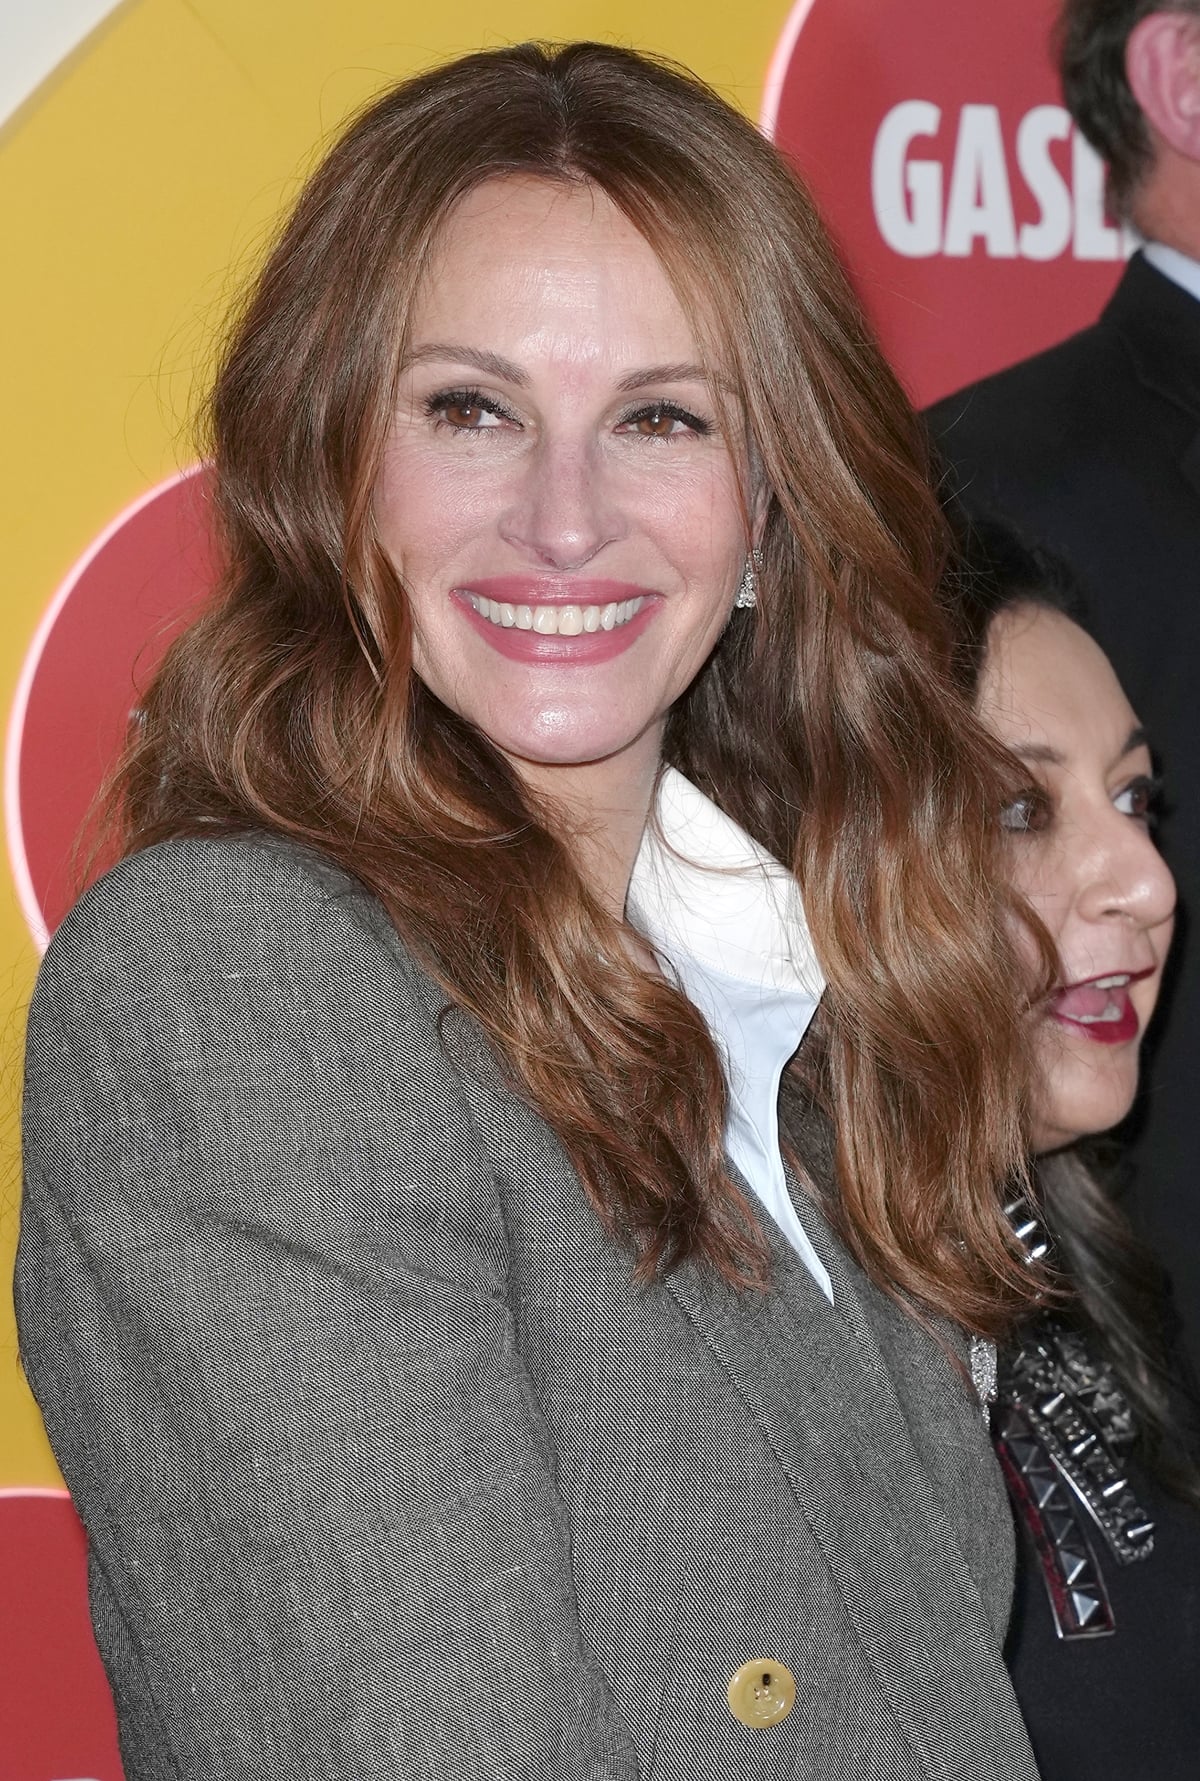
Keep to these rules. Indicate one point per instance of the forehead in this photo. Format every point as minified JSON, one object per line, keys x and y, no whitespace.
{"x":1046,"y":683}
{"x":544,"y":262}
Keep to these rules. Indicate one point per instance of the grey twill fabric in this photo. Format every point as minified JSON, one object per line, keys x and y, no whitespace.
{"x":387,"y":1468}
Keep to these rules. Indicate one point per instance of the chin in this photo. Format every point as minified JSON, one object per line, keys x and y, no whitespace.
{"x":1072,"y":1112}
{"x":544,"y":742}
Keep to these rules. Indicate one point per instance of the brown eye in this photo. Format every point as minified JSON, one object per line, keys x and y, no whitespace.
{"x":1028,"y":814}
{"x":464,"y":414}
{"x":664,"y":420}
{"x":1139,"y":799}
{"x":657,"y":423}
{"x":466,"y":411}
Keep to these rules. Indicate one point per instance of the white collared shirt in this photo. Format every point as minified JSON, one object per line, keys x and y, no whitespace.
{"x":726,"y":921}
{"x":1177,"y":267}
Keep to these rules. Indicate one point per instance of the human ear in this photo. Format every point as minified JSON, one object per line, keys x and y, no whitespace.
{"x":1162,"y":65}
{"x":759,"y":504}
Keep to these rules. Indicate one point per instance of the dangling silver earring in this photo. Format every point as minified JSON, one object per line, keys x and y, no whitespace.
{"x":747,"y":594}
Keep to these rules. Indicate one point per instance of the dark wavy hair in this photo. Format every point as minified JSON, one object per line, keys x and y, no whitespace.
{"x":1090,"y":38}
{"x":828,"y":722}
{"x":1116,"y":1287}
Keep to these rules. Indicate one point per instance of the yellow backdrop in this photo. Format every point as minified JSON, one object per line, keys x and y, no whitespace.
{"x":138,"y":183}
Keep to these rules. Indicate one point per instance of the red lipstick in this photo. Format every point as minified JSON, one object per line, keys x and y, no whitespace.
{"x":1099,"y":1008}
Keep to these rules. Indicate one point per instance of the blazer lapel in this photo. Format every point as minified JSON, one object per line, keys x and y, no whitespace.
{"x":814,"y":1378}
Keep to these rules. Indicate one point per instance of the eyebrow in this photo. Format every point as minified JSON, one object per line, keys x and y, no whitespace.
{"x":681,"y":373}
{"x":492,"y":363}
{"x":495,"y":365}
{"x":1040,"y":754}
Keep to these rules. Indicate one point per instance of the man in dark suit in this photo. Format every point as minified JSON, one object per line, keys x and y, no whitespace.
{"x":1094,"y":449}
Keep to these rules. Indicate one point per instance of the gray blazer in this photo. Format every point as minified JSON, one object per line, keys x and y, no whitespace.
{"x":387,"y":1468}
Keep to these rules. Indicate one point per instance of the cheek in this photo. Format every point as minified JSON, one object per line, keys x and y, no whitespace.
{"x":1144,"y":995}
{"x":1035,"y":868}
{"x":1049,"y":901}
{"x":1163,"y":937}
{"x":1027,"y":946}
{"x":422,"y":504}
{"x":1079,"y":1089}
{"x":696,"y":506}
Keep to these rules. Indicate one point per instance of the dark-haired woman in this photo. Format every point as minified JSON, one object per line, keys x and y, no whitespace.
{"x":454,"y":1374}
{"x":1105,"y":1642}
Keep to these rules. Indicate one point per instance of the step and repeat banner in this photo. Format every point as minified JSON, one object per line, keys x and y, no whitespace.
{"x":147,"y":148}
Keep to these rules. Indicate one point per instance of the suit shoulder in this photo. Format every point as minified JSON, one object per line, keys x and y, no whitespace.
{"x":259,"y":968}
{"x":237,"y":902}
{"x":1014,"y":441}
{"x":1030,"y":387}
{"x":220,"y":1016}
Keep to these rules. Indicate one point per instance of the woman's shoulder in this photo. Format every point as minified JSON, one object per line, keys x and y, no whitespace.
{"x":213,"y":871}
{"x":227,"y":904}
{"x":244,"y":969}
{"x":218,"y":1017}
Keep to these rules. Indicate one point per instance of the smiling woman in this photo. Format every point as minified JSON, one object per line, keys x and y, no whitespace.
{"x":512,"y":1151}
{"x":555,"y":418}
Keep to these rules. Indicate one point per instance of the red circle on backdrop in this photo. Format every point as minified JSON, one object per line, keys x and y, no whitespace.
{"x":55,"y":1706}
{"x":100,"y":639}
{"x":968,"y":208}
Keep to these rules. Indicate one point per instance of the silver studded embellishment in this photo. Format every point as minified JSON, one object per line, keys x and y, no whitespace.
{"x":983,"y":1372}
{"x":1081,"y":1417}
{"x":1061,"y":1427}
{"x":1074,"y":1582}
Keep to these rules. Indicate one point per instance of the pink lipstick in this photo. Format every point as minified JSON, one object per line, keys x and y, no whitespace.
{"x":556,"y":621}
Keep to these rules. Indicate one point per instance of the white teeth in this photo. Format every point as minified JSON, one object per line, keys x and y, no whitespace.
{"x":557,"y":621}
{"x":1112,"y":1012}
{"x":1109,"y":982}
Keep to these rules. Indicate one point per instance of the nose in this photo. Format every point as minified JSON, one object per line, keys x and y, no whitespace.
{"x":1129,"y":877}
{"x":563,"y":509}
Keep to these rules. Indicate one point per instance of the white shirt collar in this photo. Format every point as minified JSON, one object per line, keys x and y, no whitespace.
{"x":727,"y":921}
{"x":1177,"y":267}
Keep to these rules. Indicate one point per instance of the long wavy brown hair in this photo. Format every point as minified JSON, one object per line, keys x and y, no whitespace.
{"x":829,"y":722}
